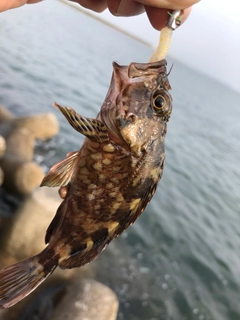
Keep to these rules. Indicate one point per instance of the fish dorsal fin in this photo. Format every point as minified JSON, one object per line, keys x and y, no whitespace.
{"x":61,"y":172}
{"x":92,"y":128}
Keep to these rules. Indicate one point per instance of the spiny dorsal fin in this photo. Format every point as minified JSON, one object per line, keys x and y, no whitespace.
{"x":91,"y":128}
{"x":61,"y":172}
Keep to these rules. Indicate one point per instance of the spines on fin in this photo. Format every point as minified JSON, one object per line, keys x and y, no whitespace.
{"x":61,"y":172}
{"x":92,"y":128}
{"x":20,"y":279}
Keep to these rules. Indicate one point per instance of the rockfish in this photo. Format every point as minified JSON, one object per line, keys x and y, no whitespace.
{"x":105,"y":185}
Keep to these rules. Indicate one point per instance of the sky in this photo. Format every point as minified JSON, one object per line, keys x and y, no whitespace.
{"x":209,"y":41}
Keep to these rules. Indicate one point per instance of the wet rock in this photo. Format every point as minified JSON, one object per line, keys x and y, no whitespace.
{"x":87,"y":300}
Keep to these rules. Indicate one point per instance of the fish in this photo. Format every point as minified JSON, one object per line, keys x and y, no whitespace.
{"x":106,"y":185}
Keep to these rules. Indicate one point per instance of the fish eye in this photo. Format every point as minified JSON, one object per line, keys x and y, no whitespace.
{"x":159,"y":102}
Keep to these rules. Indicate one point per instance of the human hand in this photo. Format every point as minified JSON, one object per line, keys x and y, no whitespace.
{"x":10,"y":4}
{"x":157,"y":10}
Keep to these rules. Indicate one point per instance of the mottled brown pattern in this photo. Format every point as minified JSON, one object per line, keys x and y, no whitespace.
{"x":108,"y":183}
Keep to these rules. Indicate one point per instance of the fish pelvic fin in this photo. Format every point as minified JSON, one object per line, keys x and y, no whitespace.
{"x":60,"y":173}
{"x":20,"y":279}
{"x":93,"y":129}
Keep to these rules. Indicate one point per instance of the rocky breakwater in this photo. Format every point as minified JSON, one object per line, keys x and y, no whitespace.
{"x":20,"y":174}
{"x":66,"y":294}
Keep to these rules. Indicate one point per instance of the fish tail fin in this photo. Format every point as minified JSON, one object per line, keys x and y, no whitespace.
{"x":21,"y":278}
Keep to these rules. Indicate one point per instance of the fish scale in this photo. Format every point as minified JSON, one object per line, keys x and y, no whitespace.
{"x":105,"y":185}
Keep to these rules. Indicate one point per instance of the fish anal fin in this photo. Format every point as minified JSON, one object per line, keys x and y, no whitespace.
{"x":61,"y":172}
{"x":93,"y":129}
{"x":82,"y":253}
{"x":56,"y":222}
{"x":82,"y":257}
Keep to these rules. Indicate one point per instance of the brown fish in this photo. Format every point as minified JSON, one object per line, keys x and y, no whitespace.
{"x":107,"y":184}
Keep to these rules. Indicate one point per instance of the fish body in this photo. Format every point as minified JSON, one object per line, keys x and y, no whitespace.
{"x":105,"y":185}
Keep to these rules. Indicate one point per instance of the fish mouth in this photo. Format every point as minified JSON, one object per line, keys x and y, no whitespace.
{"x":136,"y":70}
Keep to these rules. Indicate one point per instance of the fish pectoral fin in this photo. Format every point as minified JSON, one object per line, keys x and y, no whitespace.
{"x":61,"y":172}
{"x":94,"y":129}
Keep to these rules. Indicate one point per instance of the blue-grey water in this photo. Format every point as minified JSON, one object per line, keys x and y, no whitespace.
{"x":181,"y":259}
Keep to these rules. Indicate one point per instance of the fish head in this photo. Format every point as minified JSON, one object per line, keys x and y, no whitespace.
{"x":138,"y":104}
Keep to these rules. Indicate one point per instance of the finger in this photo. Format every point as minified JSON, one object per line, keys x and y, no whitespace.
{"x":9,"y":4}
{"x":159,"y":17}
{"x":33,"y":1}
{"x":125,"y":7}
{"x":168,"y":4}
{"x":95,"y":5}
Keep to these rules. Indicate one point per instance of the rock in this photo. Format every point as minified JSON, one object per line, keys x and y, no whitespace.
{"x":1,"y":176}
{"x":5,"y":115}
{"x":87,"y":300}
{"x":20,"y":144}
{"x":38,"y":306}
{"x":2,"y":146}
{"x":42,"y":126}
{"x":83,"y":300}
{"x":21,"y":177}
{"x":25,"y":236}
